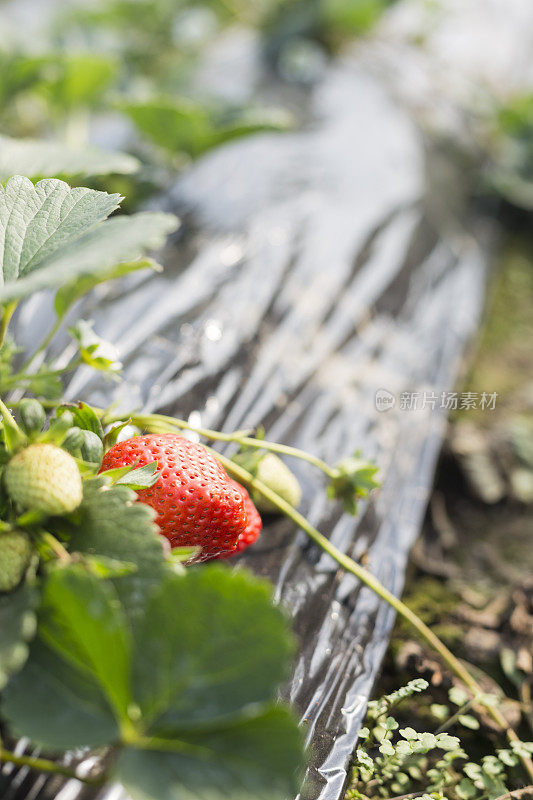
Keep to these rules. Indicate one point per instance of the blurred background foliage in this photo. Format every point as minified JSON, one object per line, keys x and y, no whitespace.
{"x":81,"y":66}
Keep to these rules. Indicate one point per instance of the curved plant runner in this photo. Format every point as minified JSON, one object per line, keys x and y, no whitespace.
{"x":81,"y":662}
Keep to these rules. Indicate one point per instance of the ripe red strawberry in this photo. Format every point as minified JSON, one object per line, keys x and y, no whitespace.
{"x":197,"y":503}
{"x":253,"y":526}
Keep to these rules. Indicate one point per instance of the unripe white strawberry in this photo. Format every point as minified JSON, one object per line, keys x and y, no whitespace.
{"x":43,"y":477}
{"x":15,"y":552}
{"x":275,"y":474}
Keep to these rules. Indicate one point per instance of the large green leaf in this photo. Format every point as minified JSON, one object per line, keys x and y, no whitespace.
{"x":38,"y":221}
{"x":256,"y":758}
{"x":17,"y":626}
{"x":112,"y":525}
{"x":197,"y":686}
{"x":117,"y":240}
{"x":57,"y":706}
{"x":38,"y":158}
{"x":49,"y":234}
{"x":82,"y":620}
{"x":225,"y":648}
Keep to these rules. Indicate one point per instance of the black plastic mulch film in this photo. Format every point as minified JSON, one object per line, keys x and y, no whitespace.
{"x":305,"y":278}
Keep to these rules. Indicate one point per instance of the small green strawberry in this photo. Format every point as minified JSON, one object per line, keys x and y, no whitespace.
{"x":274,"y":473}
{"x":15,"y":553}
{"x":92,"y":449}
{"x":32,"y":416}
{"x":73,"y":440}
{"x":45,"y":478}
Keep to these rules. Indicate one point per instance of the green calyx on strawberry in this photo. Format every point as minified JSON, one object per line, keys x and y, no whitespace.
{"x":44,"y":478}
{"x":275,"y":474}
{"x":197,"y":503}
{"x":15,"y":554}
{"x":353,"y":479}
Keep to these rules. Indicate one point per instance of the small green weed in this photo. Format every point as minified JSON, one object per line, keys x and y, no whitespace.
{"x":393,"y":762}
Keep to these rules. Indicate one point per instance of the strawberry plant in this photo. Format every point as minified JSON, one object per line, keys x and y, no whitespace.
{"x":107,"y":640}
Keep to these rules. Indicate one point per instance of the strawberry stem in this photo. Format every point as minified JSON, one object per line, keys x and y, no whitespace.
{"x":14,"y":437}
{"x":57,"y":548}
{"x":373,"y":583}
{"x":9,"y":310}
{"x":51,"y":767}
{"x":161,"y":422}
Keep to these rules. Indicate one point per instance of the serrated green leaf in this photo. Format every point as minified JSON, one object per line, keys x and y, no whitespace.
{"x":203,"y":683}
{"x":77,"y":246}
{"x":38,"y":158}
{"x":199,"y":678}
{"x":37,"y":222}
{"x":55,"y":705}
{"x":111,"y":524}
{"x":17,"y":625}
{"x":73,"y":290}
{"x":82,"y":620}
{"x":258,"y":757}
